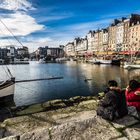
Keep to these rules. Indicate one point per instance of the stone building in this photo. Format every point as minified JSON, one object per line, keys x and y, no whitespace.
{"x":3,"y":53}
{"x":114,"y":39}
{"x":112,"y":36}
{"x":100,"y":39}
{"x":105,"y":40}
{"x":133,"y":19}
{"x":96,"y":42}
{"x":134,"y":37}
{"x":119,"y":36}
{"x":81,"y":46}
{"x":90,"y":39}
{"x":126,"y":35}
{"x":70,"y":49}
{"x":23,"y":52}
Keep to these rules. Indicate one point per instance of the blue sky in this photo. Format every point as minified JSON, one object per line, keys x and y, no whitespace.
{"x":54,"y":22}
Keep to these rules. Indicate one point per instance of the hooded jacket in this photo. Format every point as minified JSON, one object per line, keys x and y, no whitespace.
{"x":132,"y":99}
{"x":115,"y":98}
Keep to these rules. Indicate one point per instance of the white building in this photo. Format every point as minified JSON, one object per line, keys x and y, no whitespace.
{"x":119,"y":36}
{"x":70,"y":49}
{"x":105,"y":40}
{"x":81,"y":45}
{"x":90,"y":39}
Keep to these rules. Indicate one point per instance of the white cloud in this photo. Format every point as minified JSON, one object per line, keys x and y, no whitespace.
{"x":52,"y":18}
{"x":16,"y":5}
{"x":90,"y":25}
{"x":20,"y":24}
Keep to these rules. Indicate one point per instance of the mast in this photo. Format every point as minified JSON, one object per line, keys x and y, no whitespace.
{"x":9,"y":72}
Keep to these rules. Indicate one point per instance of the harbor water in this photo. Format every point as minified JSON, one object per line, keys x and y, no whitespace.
{"x":79,"y":79}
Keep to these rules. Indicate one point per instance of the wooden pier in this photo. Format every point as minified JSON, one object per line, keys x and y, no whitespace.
{"x":41,"y":79}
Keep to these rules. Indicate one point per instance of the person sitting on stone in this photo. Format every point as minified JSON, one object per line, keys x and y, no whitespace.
{"x":113,"y":105}
{"x":132,"y":94}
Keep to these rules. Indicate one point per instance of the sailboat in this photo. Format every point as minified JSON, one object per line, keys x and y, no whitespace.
{"x":7,"y":88}
{"x":132,"y":64}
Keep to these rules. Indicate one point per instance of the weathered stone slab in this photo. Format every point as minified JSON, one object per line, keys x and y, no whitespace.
{"x":88,"y":126}
{"x":122,"y":138}
{"x":90,"y":129}
{"x":132,"y":111}
{"x":11,"y":138}
{"x":133,"y":133}
{"x":125,"y":122}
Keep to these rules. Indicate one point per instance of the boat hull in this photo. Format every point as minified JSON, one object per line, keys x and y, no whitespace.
{"x":9,"y":90}
{"x":105,"y":61}
{"x":7,"y":96}
{"x":132,"y":66}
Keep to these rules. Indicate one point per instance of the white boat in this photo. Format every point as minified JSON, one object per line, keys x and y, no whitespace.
{"x":7,"y":88}
{"x":94,"y":61}
{"x":105,"y":61}
{"x":131,"y":66}
{"x":63,"y":59}
{"x":42,"y":61}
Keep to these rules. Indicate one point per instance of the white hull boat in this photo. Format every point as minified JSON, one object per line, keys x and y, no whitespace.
{"x":105,"y":61}
{"x":7,"y":88}
{"x":132,"y":66}
{"x":7,"y":93}
{"x":41,"y":61}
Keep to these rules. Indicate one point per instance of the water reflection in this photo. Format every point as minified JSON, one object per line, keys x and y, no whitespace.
{"x":72,"y":84}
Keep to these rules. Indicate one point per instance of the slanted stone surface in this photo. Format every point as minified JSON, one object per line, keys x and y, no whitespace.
{"x":132,"y":111}
{"x":73,"y":119}
{"x":133,"y":133}
{"x":125,"y":122}
{"x":122,"y":138}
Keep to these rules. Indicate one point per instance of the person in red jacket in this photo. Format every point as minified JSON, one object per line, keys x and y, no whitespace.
{"x":132,"y":94}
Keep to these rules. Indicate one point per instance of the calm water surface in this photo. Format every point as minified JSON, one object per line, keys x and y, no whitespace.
{"x":73,"y":83}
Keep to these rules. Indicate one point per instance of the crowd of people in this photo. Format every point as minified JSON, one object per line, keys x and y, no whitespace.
{"x":116,"y":101}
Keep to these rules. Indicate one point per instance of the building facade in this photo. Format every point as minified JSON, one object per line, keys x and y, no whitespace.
{"x":81,"y":46}
{"x":134,"y":37}
{"x":70,"y":49}
{"x":119,"y":36}
{"x":105,"y":40}
{"x":115,"y":39}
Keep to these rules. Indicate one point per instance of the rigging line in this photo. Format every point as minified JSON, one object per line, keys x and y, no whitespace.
{"x":6,"y":72}
{"x":9,"y":71}
{"x":7,"y":38}
{"x":11,"y":33}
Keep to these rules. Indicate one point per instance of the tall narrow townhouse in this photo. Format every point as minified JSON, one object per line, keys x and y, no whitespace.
{"x":96,"y":42}
{"x":120,"y":35}
{"x":125,"y":46}
{"x":134,"y":37}
{"x":105,"y":40}
{"x":112,"y":36}
{"x":81,"y":45}
{"x":70,"y":49}
{"x":90,"y":39}
{"x":133,"y":19}
{"x":100,"y":47}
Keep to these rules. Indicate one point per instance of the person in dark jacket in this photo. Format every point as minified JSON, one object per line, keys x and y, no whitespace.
{"x":113,"y":105}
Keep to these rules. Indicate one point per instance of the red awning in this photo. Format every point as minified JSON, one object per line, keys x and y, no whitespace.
{"x":127,"y":52}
